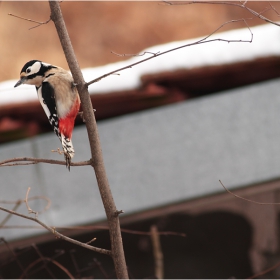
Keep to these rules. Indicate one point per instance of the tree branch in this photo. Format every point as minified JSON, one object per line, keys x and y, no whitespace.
{"x":57,"y":234}
{"x":20,"y":201}
{"x":18,"y":161}
{"x":31,"y":20}
{"x":246,"y":199}
{"x":43,"y":260}
{"x":157,"y":251}
{"x":257,"y":275}
{"x":201,"y":41}
{"x":129,"y":231}
{"x":243,"y":6}
{"x":97,"y":162}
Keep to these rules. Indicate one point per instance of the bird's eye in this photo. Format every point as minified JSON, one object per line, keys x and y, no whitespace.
{"x":28,"y":70}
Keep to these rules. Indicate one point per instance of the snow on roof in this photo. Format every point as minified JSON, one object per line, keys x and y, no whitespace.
{"x":266,"y":42}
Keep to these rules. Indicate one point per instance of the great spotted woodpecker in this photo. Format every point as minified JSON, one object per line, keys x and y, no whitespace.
{"x":59,"y":98}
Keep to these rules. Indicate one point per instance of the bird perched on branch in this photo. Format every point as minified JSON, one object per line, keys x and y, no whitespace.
{"x":59,"y":98}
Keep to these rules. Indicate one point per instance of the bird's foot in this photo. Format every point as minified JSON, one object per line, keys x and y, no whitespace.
{"x":58,"y":151}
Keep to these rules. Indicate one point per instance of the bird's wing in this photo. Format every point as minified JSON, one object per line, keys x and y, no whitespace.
{"x":46,"y":97}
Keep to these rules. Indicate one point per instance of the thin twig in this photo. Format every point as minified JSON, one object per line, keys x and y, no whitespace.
{"x":149,"y":233}
{"x":273,"y":8}
{"x":92,"y":240}
{"x":30,"y":211}
{"x":57,"y":234}
{"x":60,"y":152}
{"x":102,"y":270}
{"x":44,"y":259}
{"x":78,"y":271}
{"x":264,"y":272}
{"x":31,"y":20}
{"x":100,"y":227}
{"x":5,"y":220}
{"x":201,"y":41}
{"x":158,"y":255}
{"x":140,"y":54}
{"x":243,"y":6}
{"x":249,"y":200}
{"x":13,"y":253}
{"x":44,"y":265}
{"x":17,"y":161}
{"x":20,"y":164}
{"x":266,"y":9}
{"x":19,"y":202}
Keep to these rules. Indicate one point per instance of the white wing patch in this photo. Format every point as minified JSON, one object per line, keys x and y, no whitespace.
{"x":53,"y":118}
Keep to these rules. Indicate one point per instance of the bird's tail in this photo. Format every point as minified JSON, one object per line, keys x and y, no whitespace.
{"x":68,"y":150}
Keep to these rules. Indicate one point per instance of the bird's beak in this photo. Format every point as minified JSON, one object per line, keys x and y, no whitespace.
{"x":21,"y":81}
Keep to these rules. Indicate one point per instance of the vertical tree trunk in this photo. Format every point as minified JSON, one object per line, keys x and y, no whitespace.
{"x":96,"y":153}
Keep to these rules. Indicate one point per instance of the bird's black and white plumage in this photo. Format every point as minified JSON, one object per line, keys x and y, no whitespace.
{"x":58,"y":96}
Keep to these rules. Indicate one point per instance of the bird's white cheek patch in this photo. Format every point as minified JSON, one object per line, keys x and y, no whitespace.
{"x":35,"y":68}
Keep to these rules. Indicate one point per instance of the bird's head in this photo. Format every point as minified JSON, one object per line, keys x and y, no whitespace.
{"x":33,"y":73}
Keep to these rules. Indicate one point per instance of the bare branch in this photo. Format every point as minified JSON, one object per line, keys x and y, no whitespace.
{"x":265,"y":271}
{"x":102,"y":270}
{"x":141,"y":54}
{"x":57,"y":234}
{"x":58,"y":151}
{"x":18,"y":161}
{"x":31,"y":20}
{"x":158,"y":255}
{"x":19,"y":202}
{"x":97,"y":161}
{"x":12,"y":253}
{"x":273,"y":8}
{"x":201,"y":41}
{"x":92,"y":240}
{"x":44,"y":265}
{"x":43,"y":259}
{"x":249,"y":200}
{"x":149,"y":233}
{"x":243,"y":6}
{"x":6,"y":219}
{"x":27,"y":205}
{"x":137,"y":232}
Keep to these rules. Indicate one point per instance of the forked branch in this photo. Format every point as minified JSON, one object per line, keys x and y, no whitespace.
{"x":240,"y":5}
{"x":56,"y":233}
{"x":201,"y":41}
{"x":31,"y":20}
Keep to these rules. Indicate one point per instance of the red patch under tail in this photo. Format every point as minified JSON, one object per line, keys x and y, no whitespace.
{"x":66,"y":124}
